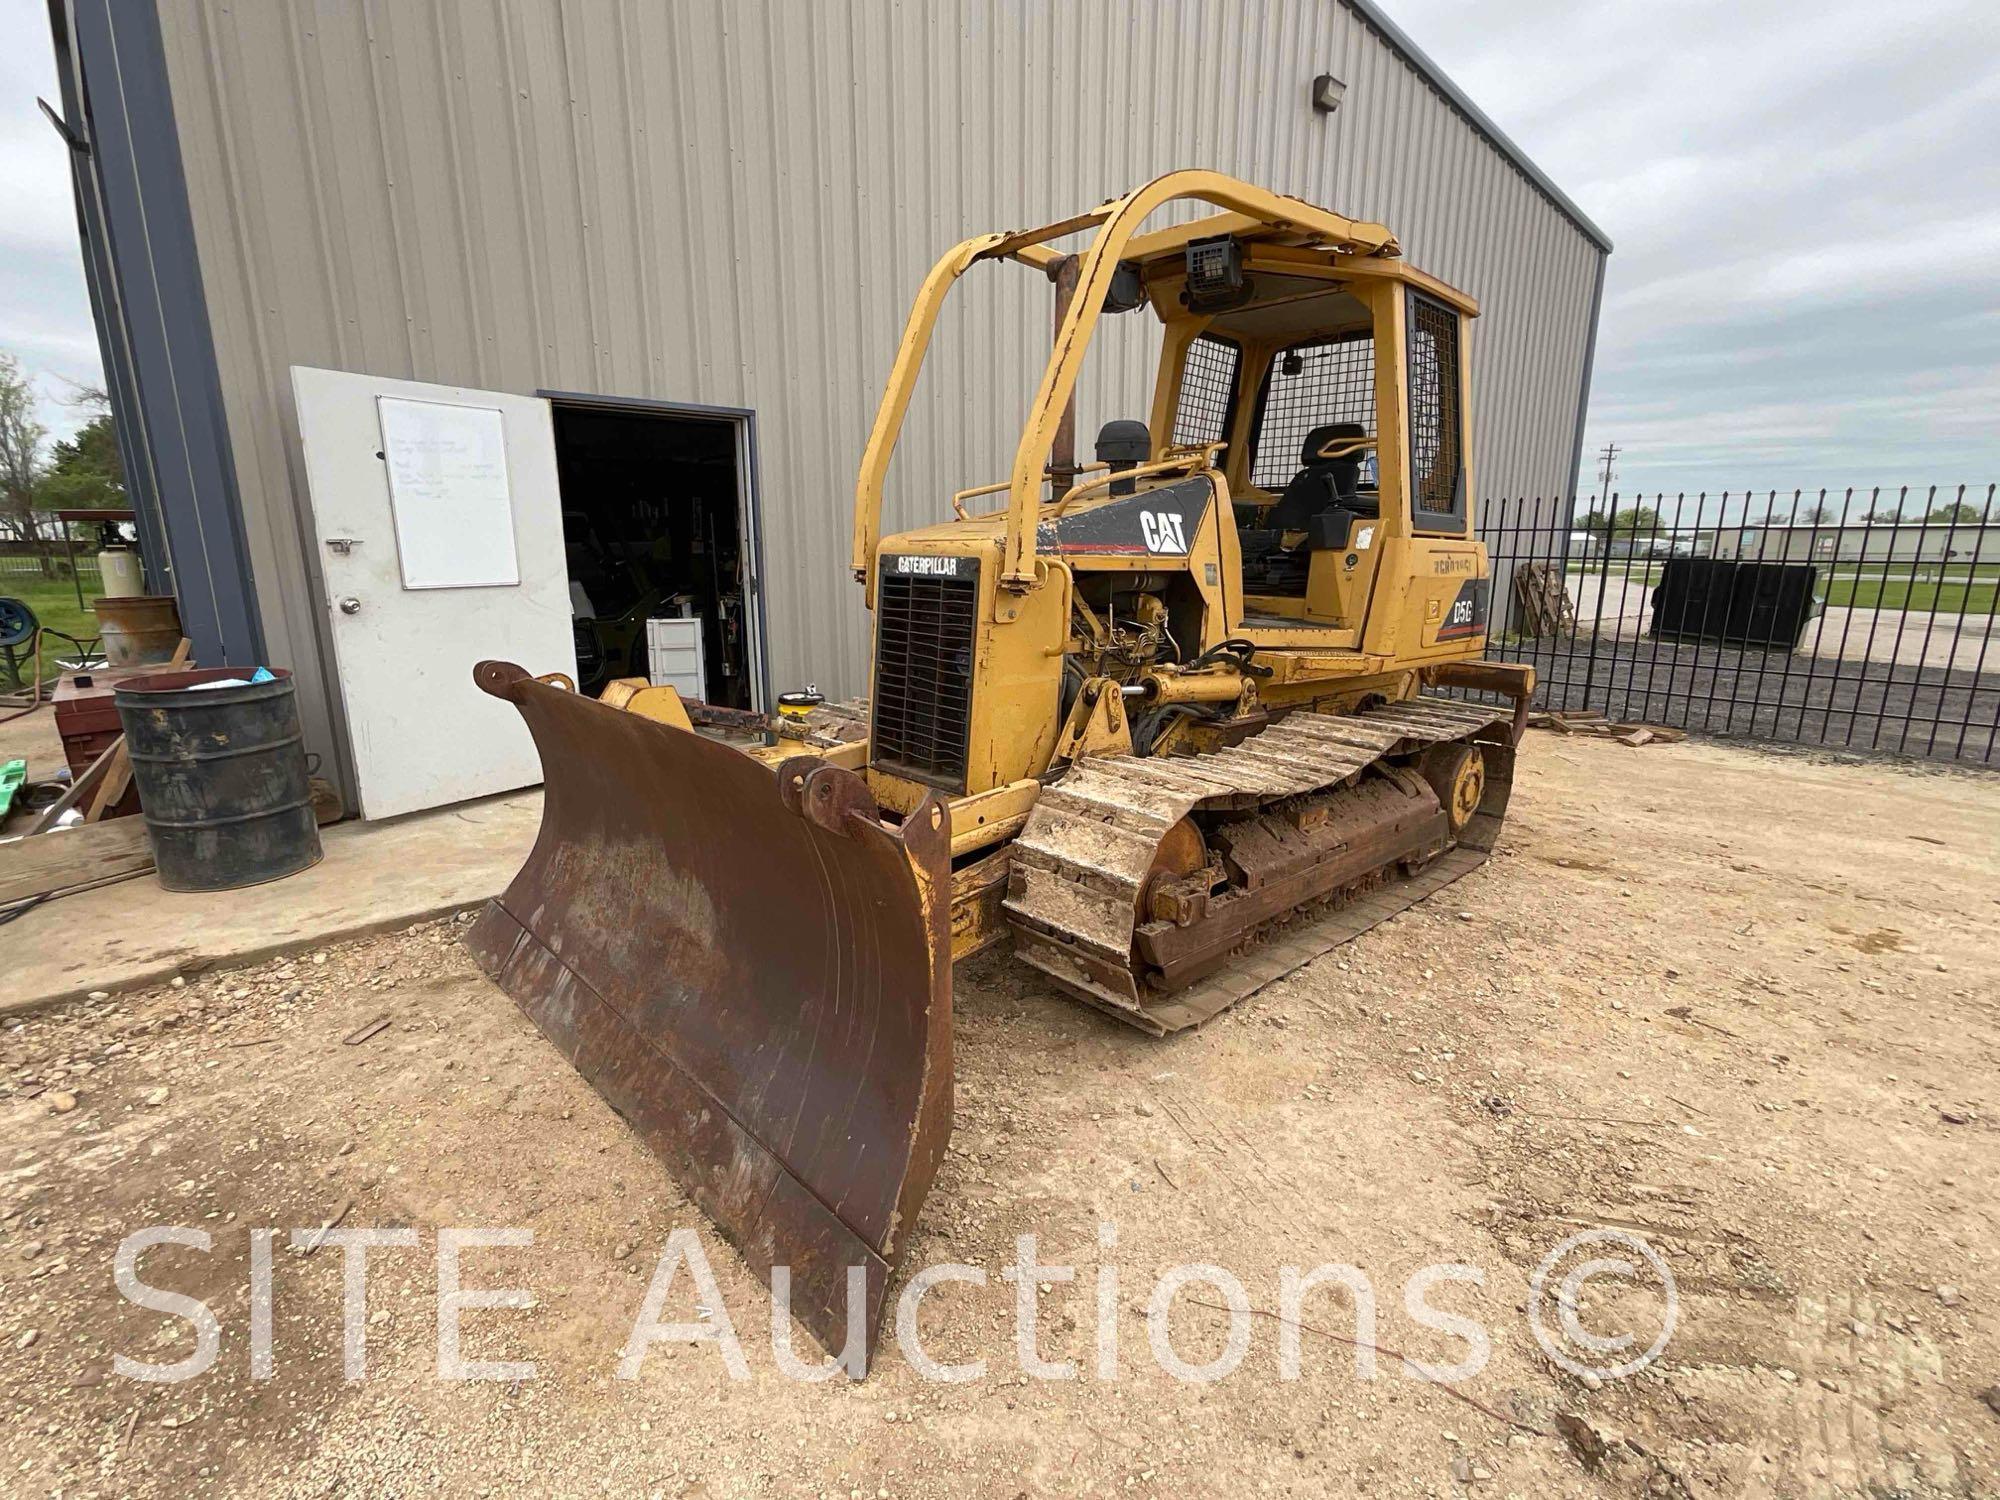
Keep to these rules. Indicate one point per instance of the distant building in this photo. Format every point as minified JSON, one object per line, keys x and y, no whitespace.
{"x":1911,"y":541}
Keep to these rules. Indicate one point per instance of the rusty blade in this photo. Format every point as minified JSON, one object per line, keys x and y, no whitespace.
{"x":753,"y":970}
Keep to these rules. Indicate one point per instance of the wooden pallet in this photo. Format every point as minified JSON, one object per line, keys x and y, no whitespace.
{"x":1546,"y":608}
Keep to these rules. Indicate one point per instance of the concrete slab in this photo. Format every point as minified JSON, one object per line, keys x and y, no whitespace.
{"x":31,"y":737}
{"x":376,"y":876}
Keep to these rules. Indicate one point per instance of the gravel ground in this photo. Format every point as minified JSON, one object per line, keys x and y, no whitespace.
{"x":1739,"y":1005}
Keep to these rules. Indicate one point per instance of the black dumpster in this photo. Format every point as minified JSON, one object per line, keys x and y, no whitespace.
{"x":222,"y":779}
{"x":1726,"y":602}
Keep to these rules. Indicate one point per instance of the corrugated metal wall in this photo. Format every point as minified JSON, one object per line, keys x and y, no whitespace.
{"x":733,"y":203}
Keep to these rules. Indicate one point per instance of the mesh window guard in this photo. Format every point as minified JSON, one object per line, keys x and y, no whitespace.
{"x":1208,"y":389}
{"x":1335,"y":383}
{"x":1435,"y":461}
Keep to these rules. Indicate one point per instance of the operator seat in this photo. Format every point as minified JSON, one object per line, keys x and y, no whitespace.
{"x":1322,"y":484}
{"x":1323,"y":500}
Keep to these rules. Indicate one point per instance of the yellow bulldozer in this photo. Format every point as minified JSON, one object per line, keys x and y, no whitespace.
{"x":1170,"y":724}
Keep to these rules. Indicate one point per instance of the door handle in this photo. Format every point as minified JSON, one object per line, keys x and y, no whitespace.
{"x":350,"y":606}
{"x":343,"y":544}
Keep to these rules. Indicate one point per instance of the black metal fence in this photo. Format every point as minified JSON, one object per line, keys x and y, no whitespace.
{"x":1855,"y":620}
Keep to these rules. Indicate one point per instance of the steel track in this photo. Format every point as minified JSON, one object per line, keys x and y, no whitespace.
{"x":1088,"y":846}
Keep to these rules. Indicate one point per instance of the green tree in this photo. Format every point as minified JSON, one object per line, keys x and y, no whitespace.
{"x":1637,"y":520}
{"x":1632,"y":521}
{"x":84,"y":471}
{"x":20,"y":453}
{"x":1960,"y":512}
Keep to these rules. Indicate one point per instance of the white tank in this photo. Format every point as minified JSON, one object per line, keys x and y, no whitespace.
{"x":120,"y":570}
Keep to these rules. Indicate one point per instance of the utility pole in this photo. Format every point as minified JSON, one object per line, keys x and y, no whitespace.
{"x":1605,"y":473}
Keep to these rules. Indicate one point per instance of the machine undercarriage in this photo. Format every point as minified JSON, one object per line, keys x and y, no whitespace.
{"x":1137,"y":881}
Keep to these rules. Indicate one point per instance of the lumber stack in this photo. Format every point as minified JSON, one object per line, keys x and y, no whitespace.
{"x":1587,"y":721}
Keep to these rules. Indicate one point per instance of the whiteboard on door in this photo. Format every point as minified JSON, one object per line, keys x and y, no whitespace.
{"x":448,"y":489}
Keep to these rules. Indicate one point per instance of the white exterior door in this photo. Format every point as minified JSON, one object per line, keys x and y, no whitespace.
{"x":438,"y":528}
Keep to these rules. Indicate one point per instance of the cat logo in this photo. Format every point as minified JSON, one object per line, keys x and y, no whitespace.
{"x":1162,"y":530}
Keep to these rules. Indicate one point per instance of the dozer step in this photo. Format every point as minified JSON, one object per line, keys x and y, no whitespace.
{"x":1081,"y":862}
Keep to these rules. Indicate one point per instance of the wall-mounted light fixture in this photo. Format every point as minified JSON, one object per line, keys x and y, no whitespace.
{"x":1328,"y":91}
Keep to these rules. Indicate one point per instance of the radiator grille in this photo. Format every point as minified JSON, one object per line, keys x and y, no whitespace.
{"x":923,"y":674}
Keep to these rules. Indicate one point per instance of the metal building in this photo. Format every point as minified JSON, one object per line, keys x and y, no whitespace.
{"x":709,"y":217}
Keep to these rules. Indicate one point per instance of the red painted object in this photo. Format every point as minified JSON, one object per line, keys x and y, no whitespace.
{"x":87,"y":720}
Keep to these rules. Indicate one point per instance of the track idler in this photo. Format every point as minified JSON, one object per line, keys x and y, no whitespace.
{"x":754,"y":972}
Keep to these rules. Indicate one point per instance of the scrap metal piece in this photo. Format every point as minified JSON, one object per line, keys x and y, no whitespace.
{"x":754,"y":972}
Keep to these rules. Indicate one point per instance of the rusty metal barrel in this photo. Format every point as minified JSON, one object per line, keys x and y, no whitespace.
{"x":138,"y":630}
{"x":222,"y":776}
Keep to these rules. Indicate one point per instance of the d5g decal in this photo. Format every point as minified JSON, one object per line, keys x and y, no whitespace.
{"x":1467,"y":615}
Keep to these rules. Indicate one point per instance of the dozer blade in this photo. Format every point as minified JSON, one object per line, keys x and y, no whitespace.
{"x":754,"y":971}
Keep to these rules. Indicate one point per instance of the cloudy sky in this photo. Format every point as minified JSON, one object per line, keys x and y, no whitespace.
{"x":1805,"y":201}
{"x":44,"y":308}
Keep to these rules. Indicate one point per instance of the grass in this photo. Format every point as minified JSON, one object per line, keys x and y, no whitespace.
{"x":54,"y":602}
{"x":1948,"y":588}
{"x":1947,"y":596}
{"x":1622,"y":570}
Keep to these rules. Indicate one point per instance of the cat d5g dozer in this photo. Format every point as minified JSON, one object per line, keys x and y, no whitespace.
{"x":1167,"y":729}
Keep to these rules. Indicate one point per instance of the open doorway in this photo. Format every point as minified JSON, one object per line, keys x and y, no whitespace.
{"x":654,"y":507}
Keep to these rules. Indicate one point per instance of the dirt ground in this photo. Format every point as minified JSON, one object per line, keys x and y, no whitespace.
{"x":1742,"y":1005}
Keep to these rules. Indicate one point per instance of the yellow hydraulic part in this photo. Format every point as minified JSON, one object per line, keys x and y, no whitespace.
{"x":1208,"y":685}
{"x":637,"y":696}
{"x":1097,"y":725}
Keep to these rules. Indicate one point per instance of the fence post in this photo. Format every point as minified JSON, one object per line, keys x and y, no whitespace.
{"x":75,"y":573}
